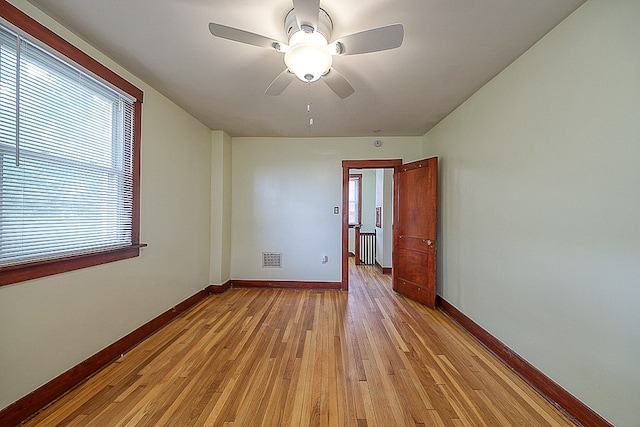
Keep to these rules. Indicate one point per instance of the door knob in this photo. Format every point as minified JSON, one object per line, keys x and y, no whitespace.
{"x":429,"y":242}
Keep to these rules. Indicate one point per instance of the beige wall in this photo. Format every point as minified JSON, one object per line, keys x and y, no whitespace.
{"x":284,"y":191}
{"x":540,"y":206}
{"x":49,"y":325}
{"x":220,"y":263}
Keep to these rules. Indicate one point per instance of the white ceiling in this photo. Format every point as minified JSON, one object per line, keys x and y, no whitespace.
{"x":451,"y":48}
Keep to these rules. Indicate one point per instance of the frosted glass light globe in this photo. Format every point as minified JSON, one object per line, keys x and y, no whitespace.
{"x":308,"y":56}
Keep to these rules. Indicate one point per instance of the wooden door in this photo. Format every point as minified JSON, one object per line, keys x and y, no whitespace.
{"x":415,"y":230}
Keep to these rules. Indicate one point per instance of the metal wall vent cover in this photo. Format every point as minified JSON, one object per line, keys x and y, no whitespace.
{"x":271,"y":260}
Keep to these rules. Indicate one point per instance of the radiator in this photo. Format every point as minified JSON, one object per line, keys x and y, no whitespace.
{"x":368,"y":248}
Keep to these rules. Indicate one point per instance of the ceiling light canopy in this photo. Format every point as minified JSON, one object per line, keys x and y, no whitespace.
{"x":308,"y":56}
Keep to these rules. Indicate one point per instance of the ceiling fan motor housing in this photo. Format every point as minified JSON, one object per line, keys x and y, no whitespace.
{"x":325,"y":25}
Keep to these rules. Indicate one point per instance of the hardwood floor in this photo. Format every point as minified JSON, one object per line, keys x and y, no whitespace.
{"x":275,"y":357}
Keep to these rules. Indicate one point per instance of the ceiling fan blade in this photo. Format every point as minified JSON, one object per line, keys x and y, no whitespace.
{"x":374,"y":40}
{"x":338,"y":83}
{"x":307,"y":12}
{"x":280,"y":83}
{"x":235,"y":34}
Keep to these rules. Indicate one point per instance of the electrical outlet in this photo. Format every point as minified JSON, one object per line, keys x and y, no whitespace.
{"x":336,"y":210}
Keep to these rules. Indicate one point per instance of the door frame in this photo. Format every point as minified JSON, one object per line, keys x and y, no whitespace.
{"x":346,"y":166}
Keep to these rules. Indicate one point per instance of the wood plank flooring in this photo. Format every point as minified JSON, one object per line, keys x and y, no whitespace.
{"x":276,"y":357}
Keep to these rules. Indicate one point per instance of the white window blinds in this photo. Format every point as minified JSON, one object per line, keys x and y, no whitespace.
{"x":65,"y":158}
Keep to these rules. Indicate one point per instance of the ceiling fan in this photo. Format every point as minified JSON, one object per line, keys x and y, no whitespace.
{"x":308,"y":55}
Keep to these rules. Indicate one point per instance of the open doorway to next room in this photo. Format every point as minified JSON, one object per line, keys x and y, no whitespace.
{"x":370,"y":214}
{"x":367,"y":209}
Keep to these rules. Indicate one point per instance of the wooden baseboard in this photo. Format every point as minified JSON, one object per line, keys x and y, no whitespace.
{"x":383,"y":270}
{"x":219,"y":289}
{"x":285,"y":284}
{"x":554,"y":393}
{"x":30,"y":404}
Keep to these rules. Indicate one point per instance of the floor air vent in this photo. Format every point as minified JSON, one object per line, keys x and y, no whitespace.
{"x":271,"y":260}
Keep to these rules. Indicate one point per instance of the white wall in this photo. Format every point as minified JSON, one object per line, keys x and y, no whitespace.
{"x":284,"y":191}
{"x":51,"y":324}
{"x":368,"y":200}
{"x":384,"y":234}
{"x":540,"y":206}
{"x":220,"y":257}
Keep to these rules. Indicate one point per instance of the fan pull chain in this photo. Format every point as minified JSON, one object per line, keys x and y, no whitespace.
{"x":309,"y":103}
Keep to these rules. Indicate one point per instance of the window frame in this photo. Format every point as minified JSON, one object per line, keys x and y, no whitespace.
{"x":36,"y":31}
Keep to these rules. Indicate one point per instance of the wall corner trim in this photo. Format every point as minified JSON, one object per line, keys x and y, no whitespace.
{"x":554,"y":393}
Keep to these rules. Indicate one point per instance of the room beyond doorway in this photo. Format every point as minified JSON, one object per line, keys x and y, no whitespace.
{"x":348,"y":167}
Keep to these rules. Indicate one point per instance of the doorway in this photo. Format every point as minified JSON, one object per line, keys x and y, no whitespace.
{"x":349,"y":166}
{"x":415,"y":201}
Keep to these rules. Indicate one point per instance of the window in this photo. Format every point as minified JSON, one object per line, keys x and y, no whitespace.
{"x":355,"y":196}
{"x":69,"y":143}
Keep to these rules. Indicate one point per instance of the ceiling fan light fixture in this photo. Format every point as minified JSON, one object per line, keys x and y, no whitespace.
{"x":308,"y":56}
